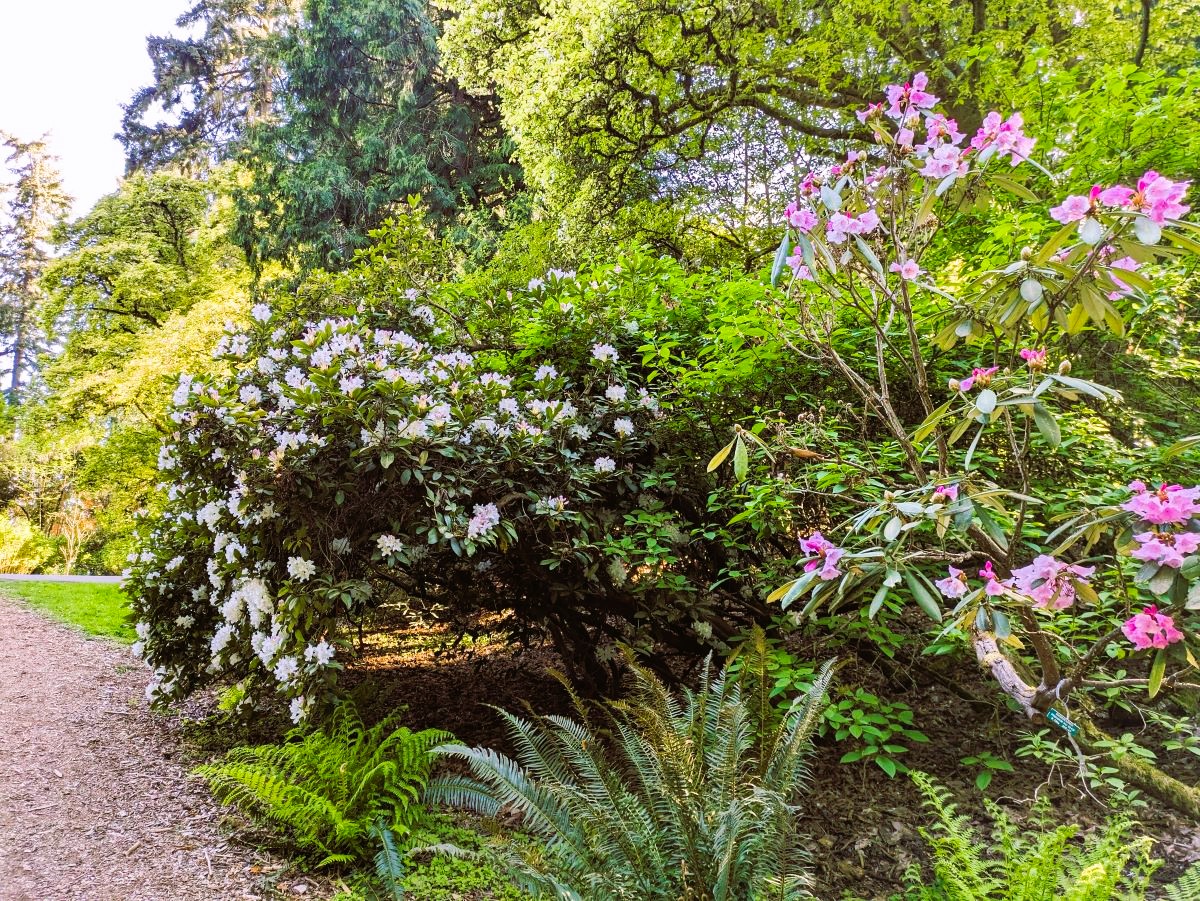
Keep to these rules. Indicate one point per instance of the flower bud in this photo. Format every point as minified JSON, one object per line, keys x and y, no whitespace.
{"x":1064,"y":367}
{"x":1026,"y":253}
{"x":954,"y":384}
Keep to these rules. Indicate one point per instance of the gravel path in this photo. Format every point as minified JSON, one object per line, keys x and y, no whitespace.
{"x":94,"y":799}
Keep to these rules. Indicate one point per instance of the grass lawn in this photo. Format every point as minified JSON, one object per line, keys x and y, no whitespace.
{"x":97,"y":609}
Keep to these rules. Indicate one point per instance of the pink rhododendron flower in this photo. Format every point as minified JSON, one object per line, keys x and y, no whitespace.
{"x":908,"y":269}
{"x":1151,"y":629}
{"x":902,"y":99}
{"x":1117,"y":195}
{"x":1072,"y":209}
{"x":938,"y":129}
{"x":946,"y":493}
{"x":840,"y":225}
{"x":954,"y":585}
{"x":1049,"y":582}
{"x":943,"y":161}
{"x":1169,"y":504}
{"x":800,"y":218}
{"x":1129,"y":264}
{"x":872,"y":110}
{"x":980,"y":377}
{"x":1006,"y":135}
{"x":1034,"y":359}
{"x":799,"y":268}
{"x":1159,"y":197}
{"x":827,"y":555}
{"x":993,"y":585}
{"x":1166,"y":548}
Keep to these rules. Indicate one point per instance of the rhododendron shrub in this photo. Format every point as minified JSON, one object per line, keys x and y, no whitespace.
{"x":371,"y":458}
{"x":971,"y":545}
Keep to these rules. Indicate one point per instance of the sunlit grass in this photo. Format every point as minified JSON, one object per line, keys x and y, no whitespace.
{"x":97,"y":609}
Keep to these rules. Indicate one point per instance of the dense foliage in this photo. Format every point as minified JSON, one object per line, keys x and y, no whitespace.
{"x":336,"y":113}
{"x":337,"y":791}
{"x":490,"y":283}
{"x":697,"y":796}
{"x":1033,"y":861}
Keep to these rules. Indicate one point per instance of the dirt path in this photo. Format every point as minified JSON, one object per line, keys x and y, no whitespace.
{"x":94,"y":801}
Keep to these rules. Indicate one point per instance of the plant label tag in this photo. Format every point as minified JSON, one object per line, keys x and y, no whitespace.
{"x":1062,"y":722}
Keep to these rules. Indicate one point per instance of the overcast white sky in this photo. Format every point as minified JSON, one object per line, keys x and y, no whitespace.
{"x":66,"y":66}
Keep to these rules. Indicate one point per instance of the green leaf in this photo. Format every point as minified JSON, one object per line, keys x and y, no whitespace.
{"x":887,"y":765}
{"x":1051,"y":247}
{"x":1161,"y":581}
{"x":1014,"y":187}
{"x":891,"y":531}
{"x":921,"y":595}
{"x":1183,"y":241}
{"x":1193,"y":597}
{"x":945,"y":184}
{"x":983,"y":780}
{"x":831,"y":199}
{"x":1031,"y":290}
{"x":869,"y":254}
{"x":1047,"y":425}
{"x":1181,"y":446}
{"x":386,"y":459}
{"x":1157,"y":669}
{"x":719,"y":457}
{"x":877,"y":601}
{"x":986,"y":401}
{"x":781,"y":258}
{"x":741,"y":459}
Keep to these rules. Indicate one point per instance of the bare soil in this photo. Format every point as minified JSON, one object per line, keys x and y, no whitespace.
{"x":95,"y":800}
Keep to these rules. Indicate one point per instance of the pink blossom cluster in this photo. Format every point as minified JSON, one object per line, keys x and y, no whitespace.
{"x":1035,"y":359}
{"x":841,"y":224}
{"x":799,"y":267}
{"x":978,"y":377}
{"x":1006,"y":136}
{"x":1156,"y":197}
{"x":825,"y":556}
{"x":1151,"y":629}
{"x":1165,"y":548}
{"x":945,"y":494}
{"x":1166,"y":505}
{"x":1048,"y":582}
{"x":800,"y":218}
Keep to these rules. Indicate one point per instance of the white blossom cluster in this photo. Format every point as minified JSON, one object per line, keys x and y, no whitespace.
{"x":221,"y":573}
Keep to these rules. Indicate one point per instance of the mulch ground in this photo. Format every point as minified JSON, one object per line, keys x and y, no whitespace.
{"x":95,"y":800}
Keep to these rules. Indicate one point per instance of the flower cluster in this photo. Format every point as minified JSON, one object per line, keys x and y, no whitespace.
{"x":1156,"y":198}
{"x":340,"y":445}
{"x":979,"y":378}
{"x":1151,"y":629}
{"x":1047,"y":582}
{"x":1172,"y":513}
{"x":910,"y":109}
{"x":825,"y":556}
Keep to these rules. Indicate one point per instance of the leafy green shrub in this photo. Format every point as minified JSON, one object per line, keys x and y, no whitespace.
{"x":1027,"y":864}
{"x":23,"y":549}
{"x":333,"y":791}
{"x":677,"y":796}
{"x":518,"y":463}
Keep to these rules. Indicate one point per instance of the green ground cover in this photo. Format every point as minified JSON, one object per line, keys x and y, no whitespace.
{"x":98,"y":609}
